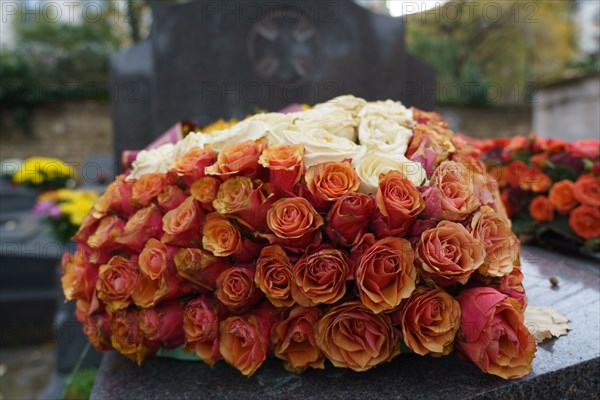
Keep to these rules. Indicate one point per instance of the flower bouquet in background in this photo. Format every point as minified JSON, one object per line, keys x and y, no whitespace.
{"x":551,"y":189}
{"x":64,"y":210}
{"x":351,"y":233}
{"x":44,"y":173}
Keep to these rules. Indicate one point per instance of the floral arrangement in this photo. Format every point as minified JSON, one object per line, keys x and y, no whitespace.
{"x":351,"y":232}
{"x":64,"y":210}
{"x":551,"y":189}
{"x":43,"y":173}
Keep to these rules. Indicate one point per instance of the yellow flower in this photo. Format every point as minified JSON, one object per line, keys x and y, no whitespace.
{"x":219,"y":125}
{"x":37,"y":170}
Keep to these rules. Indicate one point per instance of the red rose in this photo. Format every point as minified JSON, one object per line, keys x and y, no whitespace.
{"x":163,"y":323}
{"x":145,"y":224}
{"x":201,"y":325}
{"x":127,"y":337}
{"x":348,"y":219}
{"x":97,"y":328}
{"x":116,"y":198}
{"x":286,"y":164}
{"x":200,"y":267}
{"x":170,"y":197}
{"x":106,"y":234}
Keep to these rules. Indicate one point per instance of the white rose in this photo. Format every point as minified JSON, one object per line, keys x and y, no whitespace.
{"x":390,"y":110}
{"x":321,"y":146}
{"x":243,"y":131}
{"x":153,"y":160}
{"x":374,"y":163}
{"x":276,"y":124}
{"x":384,"y":135}
{"x":191,"y":140}
{"x":347,"y":102}
{"x":336,"y":121}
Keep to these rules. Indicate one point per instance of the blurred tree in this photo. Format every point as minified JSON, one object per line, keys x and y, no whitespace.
{"x":490,"y":52}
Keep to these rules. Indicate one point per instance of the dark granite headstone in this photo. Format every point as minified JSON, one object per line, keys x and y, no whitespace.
{"x":567,"y":367}
{"x":211,"y":59}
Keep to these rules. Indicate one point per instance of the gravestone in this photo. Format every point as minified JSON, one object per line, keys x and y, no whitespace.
{"x":567,"y":367}
{"x":205,"y":60}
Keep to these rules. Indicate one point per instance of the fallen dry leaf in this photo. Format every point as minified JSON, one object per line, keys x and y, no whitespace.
{"x":545,"y":323}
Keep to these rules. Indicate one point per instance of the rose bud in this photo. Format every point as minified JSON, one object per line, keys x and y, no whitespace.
{"x":116,"y":281}
{"x":220,"y":237}
{"x":348,"y":219}
{"x":191,"y":166}
{"x":399,"y":203}
{"x":238,"y":159}
{"x":492,"y":333}
{"x":294,"y":222}
{"x":351,"y":336}
{"x":145,"y":224}
{"x":170,"y":197}
{"x":512,"y":286}
{"x":127,"y":337}
{"x":385,"y":274}
{"x":286,"y":164}
{"x":201,"y":326}
{"x":274,"y":275}
{"x":245,"y":341}
{"x":163,"y":323}
{"x":320,"y":277}
{"x":428,"y":148}
{"x":182,"y":225}
{"x":541,"y":209}
{"x":562,"y":197}
{"x":200,"y":267}
{"x":449,"y":254}
{"x":244,"y":200}
{"x":294,"y":340}
{"x":147,"y":188}
{"x":236,"y":289}
{"x":429,"y":321}
{"x":585,"y":221}
{"x":116,"y":198}
{"x":587,"y":190}
{"x":499,"y":242}
{"x":108,"y":230}
{"x":97,"y":328}
{"x":78,"y":277}
{"x":329,"y":181}
{"x":451,"y":195}
{"x":205,"y":191}
{"x":87,"y":227}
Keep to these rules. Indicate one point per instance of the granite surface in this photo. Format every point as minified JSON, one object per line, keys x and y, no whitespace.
{"x":566,"y":368}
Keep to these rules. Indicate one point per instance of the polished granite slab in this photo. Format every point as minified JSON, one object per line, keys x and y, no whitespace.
{"x":567,"y":367}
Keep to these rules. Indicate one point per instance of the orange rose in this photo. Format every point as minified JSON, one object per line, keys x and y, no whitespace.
{"x":241,"y":158}
{"x":294,"y":340}
{"x":351,"y":336}
{"x":236,"y":289}
{"x":399,"y":203}
{"x":330,"y":181}
{"x":149,"y":292}
{"x":116,"y":198}
{"x":499,"y":242}
{"x":147,"y":188}
{"x":451,"y":195}
{"x":205,"y":189}
{"x":220,"y":237}
{"x":512,"y":286}
{"x":245,"y":200}
{"x":385,"y":274}
{"x":200,"y":267}
{"x":97,"y":329}
{"x":107,"y":232}
{"x":585,"y":221}
{"x":541,"y":209}
{"x":493,"y":334}
{"x":274,"y":276}
{"x":127,"y":337}
{"x":163,"y":323}
{"x":116,"y":281}
{"x":294,"y":222}
{"x":516,"y":173}
{"x":182,"y":224}
{"x":562,"y":197}
{"x":170,"y":197}
{"x":191,"y":166}
{"x":145,"y":224}
{"x":319,"y":277}
{"x":79,"y":276}
{"x":534,"y":179}
{"x":587,"y":190}
{"x":286,"y":164}
{"x":449,"y":254}
{"x":429,"y":321}
{"x":153,"y":259}
{"x":201,"y":326}
{"x":245,"y":341}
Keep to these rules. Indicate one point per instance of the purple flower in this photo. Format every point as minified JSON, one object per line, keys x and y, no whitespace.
{"x":46,"y":208}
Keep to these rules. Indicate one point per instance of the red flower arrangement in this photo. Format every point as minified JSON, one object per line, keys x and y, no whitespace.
{"x":274,"y":237}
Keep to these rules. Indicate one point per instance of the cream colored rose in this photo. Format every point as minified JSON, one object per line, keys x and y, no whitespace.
{"x":390,"y":110}
{"x":347,"y":102}
{"x":384,"y":135}
{"x":191,"y":140}
{"x":374,"y":163}
{"x":321,"y":146}
{"x":153,"y":160}
{"x":247,"y":130}
{"x":276,"y":124}
{"x":334,"y":120}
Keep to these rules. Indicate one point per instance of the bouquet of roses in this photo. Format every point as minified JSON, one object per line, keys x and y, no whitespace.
{"x":551,"y":189}
{"x":336,"y":233}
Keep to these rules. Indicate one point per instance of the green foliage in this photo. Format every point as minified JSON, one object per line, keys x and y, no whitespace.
{"x":80,"y":386}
